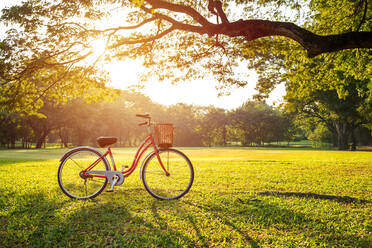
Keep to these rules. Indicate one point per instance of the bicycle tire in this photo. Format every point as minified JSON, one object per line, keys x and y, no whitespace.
{"x":171,"y":187}
{"x":72,"y":164}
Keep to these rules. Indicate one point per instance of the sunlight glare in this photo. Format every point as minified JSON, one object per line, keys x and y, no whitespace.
{"x":98,"y":49}
{"x":98,"y":46}
{"x":125,"y":74}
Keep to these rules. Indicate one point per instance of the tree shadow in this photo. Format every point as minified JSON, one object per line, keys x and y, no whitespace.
{"x":222,"y":215}
{"x":134,"y":219}
{"x":24,"y":217}
{"x":271,"y":217}
{"x":340,"y":199}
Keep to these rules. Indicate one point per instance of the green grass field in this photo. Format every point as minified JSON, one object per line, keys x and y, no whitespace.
{"x":240,"y":198}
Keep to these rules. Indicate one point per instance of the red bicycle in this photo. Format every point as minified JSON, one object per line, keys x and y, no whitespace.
{"x":166,"y":173}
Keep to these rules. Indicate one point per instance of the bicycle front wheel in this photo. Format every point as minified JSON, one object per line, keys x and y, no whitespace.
{"x":71,"y":179}
{"x":174,"y":185}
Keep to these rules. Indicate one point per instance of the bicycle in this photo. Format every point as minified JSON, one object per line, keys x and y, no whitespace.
{"x":166,"y":173}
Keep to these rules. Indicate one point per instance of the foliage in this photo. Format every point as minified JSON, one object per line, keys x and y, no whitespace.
{"x":240,"y":198}
{"x":213,"y":126}
{"x":179,"y":40}
{"x":79,"y":123}
{"x":338,"y":99}
{"x":260,"y":123}
{"x":335,"y":88}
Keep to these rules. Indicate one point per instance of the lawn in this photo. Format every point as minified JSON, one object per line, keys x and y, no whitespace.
{"x":240,"y":198}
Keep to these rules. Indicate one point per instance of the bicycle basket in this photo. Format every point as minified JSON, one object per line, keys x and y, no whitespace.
{"x":164,"y":135}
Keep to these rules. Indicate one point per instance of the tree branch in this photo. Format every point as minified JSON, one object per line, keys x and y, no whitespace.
{"x":215,"y":7}
{"x":176,"y":24}
{"x":254,"y":29}
{"x":53,"y":83}
{"x":364,"y":15}
{"x":314,"y":44}
{"x":130,"y":42}
{"x":125,"y":27}
{"x":160,"y":4}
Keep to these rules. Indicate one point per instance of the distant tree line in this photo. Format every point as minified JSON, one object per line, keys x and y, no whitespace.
{"x":80,"y":123}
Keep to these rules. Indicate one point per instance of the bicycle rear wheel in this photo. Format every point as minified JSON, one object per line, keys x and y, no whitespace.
{"x":72,"y":182}
{"x":179,"y":180}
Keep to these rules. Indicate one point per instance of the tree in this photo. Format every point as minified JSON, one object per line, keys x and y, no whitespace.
{"x":342,"y":115}
{"x":315,"y":130}
{"x":178,"y":39}
{"x":12,"y":128}
{"x":51,"y":116}
{"x":259,"y":123}
{"x":185,"y":119}
{"x":213,"y":126}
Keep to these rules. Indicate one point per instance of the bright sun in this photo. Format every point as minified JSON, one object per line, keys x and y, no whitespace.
{"x":98,"y":48}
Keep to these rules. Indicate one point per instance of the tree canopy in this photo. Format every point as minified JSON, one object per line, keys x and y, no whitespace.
{"x":179,"y":39}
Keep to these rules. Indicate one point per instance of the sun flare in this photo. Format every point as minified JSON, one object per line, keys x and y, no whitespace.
{"x":97,"y":50}
{"x":98,"y":47}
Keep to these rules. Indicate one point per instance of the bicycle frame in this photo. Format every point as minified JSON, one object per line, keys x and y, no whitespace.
{"x":149,"y":141}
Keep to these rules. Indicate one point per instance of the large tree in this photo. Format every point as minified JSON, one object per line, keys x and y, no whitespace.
{"x":342,"y":112}
{"x":177,"y":38}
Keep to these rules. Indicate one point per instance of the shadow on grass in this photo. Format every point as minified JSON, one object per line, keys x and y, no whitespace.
{"x":132,"y":219}
{"x":223,"y":217}
{"x":267,"y":217}
{"x":341,"y":199}
{"x":35,"y":220}
{"x":24,"y":217}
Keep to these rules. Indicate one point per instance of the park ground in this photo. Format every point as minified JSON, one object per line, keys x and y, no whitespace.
{"x":241,"y":197}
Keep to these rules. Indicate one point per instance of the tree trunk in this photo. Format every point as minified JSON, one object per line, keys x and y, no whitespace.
{"x":41,"y":138}
{"x":224,"y":135}
{"x":343,"y":132}
{"x":353,"y":141}
{"x":40,"y":141}
{"x":63,"y":135}
{"x":80,"y":138}
{"x":334,"y":139}
{"x":12,"y":141}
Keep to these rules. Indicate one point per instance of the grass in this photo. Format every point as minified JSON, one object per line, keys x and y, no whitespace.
{"x":240,"y":198}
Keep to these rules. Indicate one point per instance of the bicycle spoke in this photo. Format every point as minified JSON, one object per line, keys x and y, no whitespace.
{"x":155,"y":172}
{"x":168,"y":163}
{"x":85,"y":186}
{"x":172,"y":179}
{"x":77,"y":164}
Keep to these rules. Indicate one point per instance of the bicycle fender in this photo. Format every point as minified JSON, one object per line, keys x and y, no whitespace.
{"x":68,"y":153}
{"x":143,"y":162}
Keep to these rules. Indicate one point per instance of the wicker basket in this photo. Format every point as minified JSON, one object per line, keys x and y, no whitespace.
{"x":164,"y":135}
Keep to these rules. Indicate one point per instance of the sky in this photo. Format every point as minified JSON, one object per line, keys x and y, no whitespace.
{"x":198,"y":92}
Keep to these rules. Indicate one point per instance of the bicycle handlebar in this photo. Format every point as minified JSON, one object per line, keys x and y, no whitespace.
{"x":147,"y":116}
{"x":147,"y":122}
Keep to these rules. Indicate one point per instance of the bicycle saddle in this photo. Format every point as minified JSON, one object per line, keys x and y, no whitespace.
{"x":106,"y":141}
